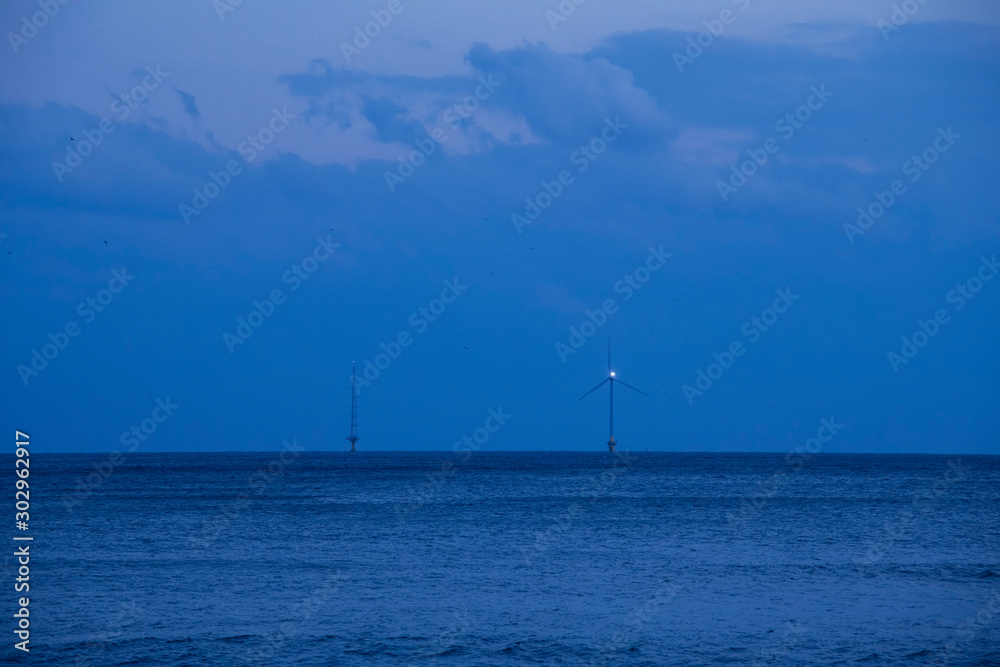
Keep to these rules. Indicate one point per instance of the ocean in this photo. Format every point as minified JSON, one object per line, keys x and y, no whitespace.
{"x":502,"y":558}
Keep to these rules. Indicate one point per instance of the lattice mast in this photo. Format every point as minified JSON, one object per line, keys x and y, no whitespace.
{"x":353,"y":437}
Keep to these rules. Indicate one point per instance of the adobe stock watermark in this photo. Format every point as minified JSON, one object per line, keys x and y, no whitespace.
{"x":300,"y":614}
{"x":790,"y":638}
{"x":922,"y":502}
{"x":562,"y":12}
{"x":97,"y":644}
{"x":928,"y":329}
{"x":627,"y":286}
{"x":752,"y":329}
{"x":135,"y":436}
{"x":460,"y":626}
{"x":223,"y":7}
{"x":786,"y":126}
{"x":420,"y":320}
{"x":257,"y":483}
{"x":86,"y":309}
{"x":592,"y":488}
{"x":970,"y":628}
{"x":453,"y":116}
{"x":90,"y":139}
{"x":581,"y":158}
{"x":293,"y":277}
{"x":900,"y":16}
{"x":462,"y":449}
{"x":30,"y":27}
{"x":634,"y":621}
{"x":381,"y":18}
{"x":713,"y":28}
{"x":915,"y":167}
{"x":248,"y":149}
{"x":795,"y":461}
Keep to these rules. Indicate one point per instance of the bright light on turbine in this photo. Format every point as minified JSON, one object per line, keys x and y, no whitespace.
{"x":612,"y":373}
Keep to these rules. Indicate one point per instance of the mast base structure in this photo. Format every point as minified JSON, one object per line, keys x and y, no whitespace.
{"x":611,"y":445}
{"x":354,"y":440}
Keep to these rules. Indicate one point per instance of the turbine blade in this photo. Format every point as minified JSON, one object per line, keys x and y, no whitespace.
{"x":630,"y":386}
{"x":609,"y":355}
{"x":593,"y":390}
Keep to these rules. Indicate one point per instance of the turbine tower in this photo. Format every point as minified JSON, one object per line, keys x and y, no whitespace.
{"x":353,"y":437}
{"x":611,"y":379}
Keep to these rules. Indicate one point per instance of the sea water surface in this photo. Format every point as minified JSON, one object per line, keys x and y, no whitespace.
{"x":492,"y":558}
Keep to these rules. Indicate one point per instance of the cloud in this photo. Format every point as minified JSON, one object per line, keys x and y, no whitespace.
{"x":189,"y":103}
{"x":544,"y":96}
{"x":388,"y":119}
{"x":452,"y":217}
{"x":566,"y":97}
{"x":709,"y":146}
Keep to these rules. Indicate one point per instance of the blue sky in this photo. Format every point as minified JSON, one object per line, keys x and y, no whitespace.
{"x":295,"y":143}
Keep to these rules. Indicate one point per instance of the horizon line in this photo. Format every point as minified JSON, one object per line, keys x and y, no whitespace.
{"x":513,"y":451}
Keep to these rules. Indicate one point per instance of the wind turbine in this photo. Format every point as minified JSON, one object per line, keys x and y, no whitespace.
{"x":611,"y":379}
